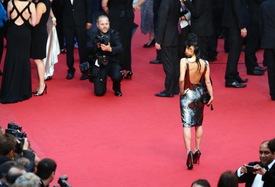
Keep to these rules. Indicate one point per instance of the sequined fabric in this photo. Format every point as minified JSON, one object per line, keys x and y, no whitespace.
{"x":191,"y":107}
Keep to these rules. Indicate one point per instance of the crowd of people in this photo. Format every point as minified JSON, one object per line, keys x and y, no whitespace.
{"x":20,"y":166}
{"x":184,"y":32}
{"x":238,"y":22}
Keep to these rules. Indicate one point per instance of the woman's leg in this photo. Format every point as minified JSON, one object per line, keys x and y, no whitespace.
{"x":40,"y":71}
{"x":187,"y":138}
{"x":198,"y":130}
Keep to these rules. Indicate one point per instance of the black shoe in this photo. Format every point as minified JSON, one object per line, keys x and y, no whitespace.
{"x":164,"y":94}
{"x":1,"y":73}
{"x":255,"y":72}
{"x":189,"y":161}
{"x":118,"y":93}
{"x":260,"y":68}
{"x":155,"y":61}
{"x":84,"y":76}
{"x":70,"y":76}
{"x":235,"y":84}
{"x":240,"y":80}
{"x":128,"y":75}
{"x":149,"y":44}
{"x":196,"y":157}
{"x":48,"y":78}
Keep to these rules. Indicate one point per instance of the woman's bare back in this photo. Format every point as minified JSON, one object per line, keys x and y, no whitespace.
{"x":20,"y":6}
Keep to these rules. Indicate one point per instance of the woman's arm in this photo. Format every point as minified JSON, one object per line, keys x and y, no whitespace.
{"x":208,"y":84}
{"x":182,"y":76}
{"x":138,"y":4}
{"x":32,"y":19}
{"x":40,"y":10}
{"x":9,"y":7}
{"x":104,"y":5}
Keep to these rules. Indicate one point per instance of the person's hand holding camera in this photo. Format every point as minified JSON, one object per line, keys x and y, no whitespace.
{"x":107,"y":48}
{"x":26,"y":144}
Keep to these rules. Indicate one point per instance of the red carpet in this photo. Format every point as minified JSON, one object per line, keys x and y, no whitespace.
{"x":136,"y":140}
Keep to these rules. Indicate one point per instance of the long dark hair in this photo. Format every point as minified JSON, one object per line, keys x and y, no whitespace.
{"x":192,"y":40}
{"x":228,"y":179}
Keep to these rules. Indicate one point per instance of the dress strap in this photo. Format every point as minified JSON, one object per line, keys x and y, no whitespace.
{"x":19,"y":14}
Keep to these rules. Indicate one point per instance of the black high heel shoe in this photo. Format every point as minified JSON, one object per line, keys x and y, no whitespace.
{"x":189,"y":161}
{"x":128,"y":75}
{"x":196,"y":157}
{"x":149,"y":44}
{"x":42,"y":93}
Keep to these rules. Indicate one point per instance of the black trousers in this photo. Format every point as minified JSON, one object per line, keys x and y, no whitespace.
{"x":252,"y":45}
{"x":269,"y":58}
{"x":235,"y":42}
{"x":100,"y":74}
{"x":170,"y":62}
{"x":80,"y":33}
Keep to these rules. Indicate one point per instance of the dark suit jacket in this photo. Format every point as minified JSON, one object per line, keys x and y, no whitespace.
{"x":268,"y":21}
{"x":114,"y":42}
{"x":77,"y":14}
{"x":235,"y":14}
{"x":268,"y":177}
{"x":254,"y":11}
{"x":167,"y":28}
{"x":201,"y":17}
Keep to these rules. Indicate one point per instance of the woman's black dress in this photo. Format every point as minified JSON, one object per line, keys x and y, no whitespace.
{"x":16,"y":82}
{"x":40,"y":34}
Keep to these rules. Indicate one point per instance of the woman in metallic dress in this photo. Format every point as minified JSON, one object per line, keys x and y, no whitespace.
{"x":192,"y":70}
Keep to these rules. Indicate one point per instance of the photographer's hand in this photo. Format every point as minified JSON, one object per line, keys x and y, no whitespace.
{"x":106,"y":47}
{"x":26,"y":144}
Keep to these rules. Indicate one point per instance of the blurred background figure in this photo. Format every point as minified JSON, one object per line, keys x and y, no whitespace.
{"x":52,"y":49}
{"x":200,"y":183}
{"x":147,"y":22}
{"x":228,"y":179}
{"x":3,"y":20}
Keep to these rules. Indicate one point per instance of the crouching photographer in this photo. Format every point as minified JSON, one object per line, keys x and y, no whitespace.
{"x":104,"y":46}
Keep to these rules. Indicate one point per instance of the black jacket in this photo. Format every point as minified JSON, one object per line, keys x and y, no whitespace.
{"x":114,"y":40}
{"x":268,"y":178}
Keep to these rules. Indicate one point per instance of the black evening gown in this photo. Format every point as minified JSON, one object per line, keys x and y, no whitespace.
{"x":16,"y":82}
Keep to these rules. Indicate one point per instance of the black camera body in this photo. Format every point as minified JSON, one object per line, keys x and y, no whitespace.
{"x":103,"y":39}
{"x":102,"y":56}
{"x":15,"y":130}
{"x":62,"y":181}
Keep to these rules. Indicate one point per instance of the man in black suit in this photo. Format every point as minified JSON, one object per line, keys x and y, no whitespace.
{"x":268,"y":44}
{"x":260,"y":173}
{"x":202,"y":26}
{"x":253,"y":39}
{"x":167,"y":41}
{"x":77,"y":18}
{"x":235,"y":21}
